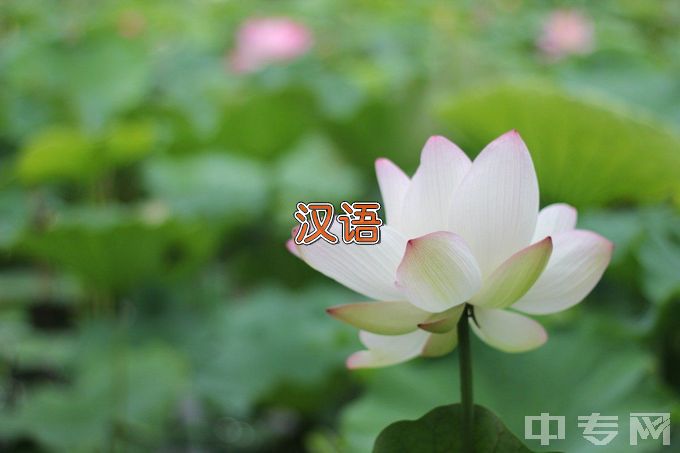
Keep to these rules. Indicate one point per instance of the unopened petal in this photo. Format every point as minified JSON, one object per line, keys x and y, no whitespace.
{"x":577,"y":263}
{"x":514,"y":277}
{"x":553,"y":219}
{"x":428,"y":199}
{"x":495,"y":207}
{"x":438,"y":272}
{"x":507,"y":331}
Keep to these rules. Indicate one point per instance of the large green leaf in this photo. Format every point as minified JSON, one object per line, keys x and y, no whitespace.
{"x":14,"y":216}
{"x":20,"y":286}
{"x":113,"y":249}
{"x":210,"y":185}
{"x":438,"y":431}
{"x":585,"y":152}
{"x":267,"y":123}
{"x":102,"y":76}
{"x":652,"y":236}
{"x":129,"y":141}
{"x":623,"y":227}
{"x":659,"y":256}
{"x":594,"y":368}
{"x":61,"y":153}
{"x":313,"y":171}
{"x":119,"y":394}
{"x":58,"y":153}
{"x":26,"y":348}
{"x":396,"y":127}
{"x":246,"y":350}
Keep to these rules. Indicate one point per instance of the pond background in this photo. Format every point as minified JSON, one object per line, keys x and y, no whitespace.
{"x":147,"y":187}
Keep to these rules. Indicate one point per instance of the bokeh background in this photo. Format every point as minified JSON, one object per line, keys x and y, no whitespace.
{"x":151,"y":156}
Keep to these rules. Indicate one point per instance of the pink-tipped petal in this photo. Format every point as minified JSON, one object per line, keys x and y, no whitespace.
{"x":514,"y":277}
{"x":508,"y":331}
{"x":359,"y":359}
{"x":427,"y":202}
{"x":496,"y":206}
{"x":393,"y":184}
{"x":292,"y":247}
{"x":577,"y":263}
{"x":384,"y":318}
{"x":438,"y":272}
{"x":553,"y":219}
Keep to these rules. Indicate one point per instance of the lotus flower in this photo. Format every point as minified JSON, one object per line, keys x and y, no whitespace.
{"x":461,"y":232}
{"x":260,"y":42}
{"x":566,"y":32}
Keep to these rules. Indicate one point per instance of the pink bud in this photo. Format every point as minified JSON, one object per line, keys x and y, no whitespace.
{"x":566,"y":32}
{"x":260,"y":42}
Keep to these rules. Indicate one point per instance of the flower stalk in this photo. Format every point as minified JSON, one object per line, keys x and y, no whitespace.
{"x":465,"y":366}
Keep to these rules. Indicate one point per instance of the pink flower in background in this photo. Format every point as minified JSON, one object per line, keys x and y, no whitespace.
{"x":566,"y":32}
{"x":260,"y":42}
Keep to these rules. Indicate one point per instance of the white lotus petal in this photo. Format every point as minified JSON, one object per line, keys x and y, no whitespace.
{"x":384,"y":350}
{"x":438,"y":272}
{"x":508,"y":331}
{"x":385,"y":318}
{"x":514,"y":277}
{"x":578,"y":261}
{"x":367,"y":269}
{"x":393,"y":184}
{"x":428,"y":198}
{"x":495,"y":207}
{"x":553,"y":219}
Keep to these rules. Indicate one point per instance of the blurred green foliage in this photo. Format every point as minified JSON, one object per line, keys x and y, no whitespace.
{"x":147,"y":301}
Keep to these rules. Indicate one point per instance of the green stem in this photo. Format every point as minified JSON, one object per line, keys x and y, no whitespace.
{"x":465,"y":364}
